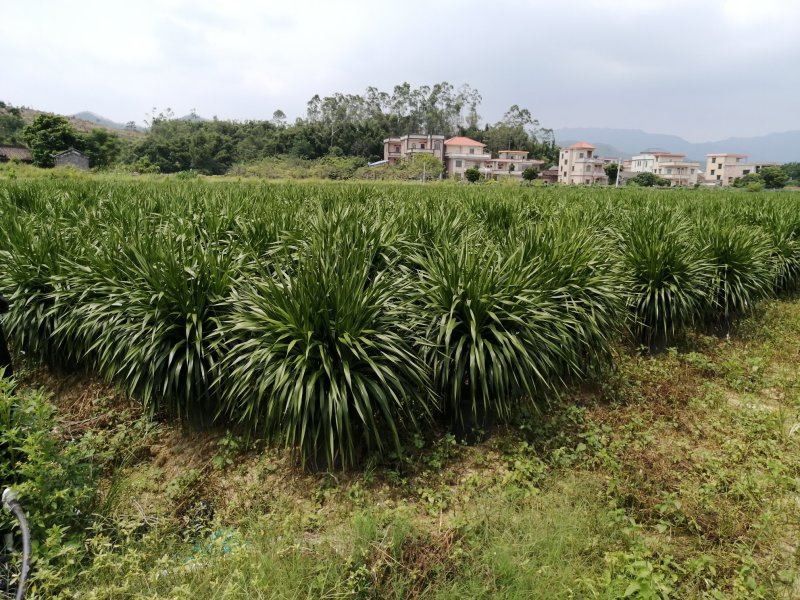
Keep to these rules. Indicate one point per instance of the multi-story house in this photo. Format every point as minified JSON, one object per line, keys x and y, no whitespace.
{"x":512,"y":163}
{"x":462,"y":153}
{"x":723,"y":169}
{"x":395,"y":149}
{"x":672,"y":167}
{"x":580,"y":165}
{"x":459,"y":154}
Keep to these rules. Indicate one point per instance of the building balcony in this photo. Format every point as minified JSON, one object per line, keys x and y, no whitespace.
{"x":468,"y":156}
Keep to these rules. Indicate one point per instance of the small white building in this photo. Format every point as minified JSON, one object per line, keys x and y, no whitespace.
{"x":580,"y":165}
{"x":672,"y":167}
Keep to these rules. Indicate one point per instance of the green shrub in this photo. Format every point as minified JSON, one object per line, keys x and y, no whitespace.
{"x":743,"y":268}
{"x":320,"y":356}
{"x":667,"y":277}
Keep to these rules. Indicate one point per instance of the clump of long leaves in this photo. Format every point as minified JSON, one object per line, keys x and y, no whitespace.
{"x":492,"y":336}
{"x":743,"y":269}
{"x":667,"y":277}
{"x":321,"y":357}
{"x":142,"y":313}
{"x":32,"y":262}
{"x":575,"y":265}
{"x":782,"y":225}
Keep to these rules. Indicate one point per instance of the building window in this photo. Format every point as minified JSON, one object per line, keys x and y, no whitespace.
{"x":719,"y":177}
{"x":587,"y":181}
{"x":437,"y":146}
{"x":573,"y":168}
{"x":745,"y":171}
{"x":589,"y":154}
{"x":713,"y":171}
{"x":422,"y":146}
{"x":458,"y":164}
{"x":472,"y":150}
{"x":713,"y":159}
{"x":580,"y":155}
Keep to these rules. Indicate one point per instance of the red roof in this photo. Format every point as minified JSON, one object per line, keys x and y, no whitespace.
{"x":462,"y":141}
{"x":581,"y":146}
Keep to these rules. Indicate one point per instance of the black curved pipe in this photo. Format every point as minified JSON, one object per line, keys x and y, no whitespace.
{"x":12,"y":505}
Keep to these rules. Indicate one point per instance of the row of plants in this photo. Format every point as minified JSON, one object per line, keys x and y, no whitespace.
{"x":336,"y":318}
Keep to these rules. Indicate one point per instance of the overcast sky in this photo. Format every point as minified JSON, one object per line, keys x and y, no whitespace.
{"x":701,"y":69}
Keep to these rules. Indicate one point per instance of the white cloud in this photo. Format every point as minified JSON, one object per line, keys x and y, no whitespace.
{"x":699,"y":69}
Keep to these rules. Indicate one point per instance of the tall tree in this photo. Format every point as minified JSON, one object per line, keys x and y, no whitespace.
{"x":101,"y":146}
{"x":774,"y":177}
{"x":48,"y":134}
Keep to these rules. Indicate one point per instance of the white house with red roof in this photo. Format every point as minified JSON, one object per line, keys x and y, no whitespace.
{"x":459,"y":154}
{"x":579,"y":165}
{"x":462,"y":153}
{"x":672,"y":167}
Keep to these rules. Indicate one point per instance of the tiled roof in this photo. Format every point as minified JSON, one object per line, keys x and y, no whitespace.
{"x":18,"y":153}
{"x":69,"y":151}
{"x":462,"y":141}
{"x":581,"y":146}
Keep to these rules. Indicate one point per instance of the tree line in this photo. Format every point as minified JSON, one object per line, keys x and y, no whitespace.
{"x":338,"y":125}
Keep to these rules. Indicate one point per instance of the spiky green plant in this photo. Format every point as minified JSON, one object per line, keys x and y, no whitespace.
{"x":666,"y":275}
{"x":577,"y":267}
{"x":743,"y":269}
{"x":782,"y":225}
{"x":492,"y":336}
{"x":142,"y":312}
{"x":321,"y":359}
{"x":32,"y":262}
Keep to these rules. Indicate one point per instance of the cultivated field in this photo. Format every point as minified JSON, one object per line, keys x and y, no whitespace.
{"x":378,"y":327}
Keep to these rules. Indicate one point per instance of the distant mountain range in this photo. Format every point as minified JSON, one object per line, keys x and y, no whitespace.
{"x":102,"y":121}
{"x":624,"y":143}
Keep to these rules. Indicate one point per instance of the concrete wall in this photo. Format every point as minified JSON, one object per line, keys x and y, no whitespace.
{"x":73,"y":159}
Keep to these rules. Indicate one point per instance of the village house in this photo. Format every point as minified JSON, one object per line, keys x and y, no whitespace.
{"x":723,"y":169}
{"x":72,"y":158}
{"x":549,"y":175}
{"x":580,"y":165}
{"x":672,"y":167}
{"x":459,"y":154}
{"x":9,"y":153}
{"x":462,"y":153}
{"x":396,"y":149}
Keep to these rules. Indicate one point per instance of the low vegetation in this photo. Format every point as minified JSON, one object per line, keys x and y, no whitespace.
{"x":317,"y":355}
{"x":314,"y":312}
